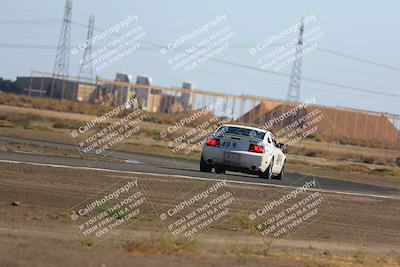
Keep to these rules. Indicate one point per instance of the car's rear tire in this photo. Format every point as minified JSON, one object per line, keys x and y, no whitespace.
{"x":219,"y":170}
{"x":204,"y":167}
{"x":281,"y":174}
{"x":267,"y":174}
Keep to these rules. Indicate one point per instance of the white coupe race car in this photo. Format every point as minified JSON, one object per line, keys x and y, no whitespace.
{"x":243,"y":149}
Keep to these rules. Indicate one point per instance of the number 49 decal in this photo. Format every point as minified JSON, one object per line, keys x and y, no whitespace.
{"x":225,"y":144}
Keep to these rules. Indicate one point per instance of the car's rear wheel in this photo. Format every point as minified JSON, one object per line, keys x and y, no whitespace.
{"x":267,"y":174}
{"x":281,"y":174}
{"x":204,"y":167}
{"x":219,"y":170}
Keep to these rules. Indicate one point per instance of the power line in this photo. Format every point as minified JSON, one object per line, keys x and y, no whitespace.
{"x":330,"y":51}
{"x":239,"y":46}
{"x":29,"y":21}
{"x":33,"y":46}
{"x":353,"y":88}
{"x":349,"y":87}
{"x":327,"y":83}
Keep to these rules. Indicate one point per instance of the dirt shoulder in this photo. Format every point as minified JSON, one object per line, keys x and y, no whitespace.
{"x":37,"y":229}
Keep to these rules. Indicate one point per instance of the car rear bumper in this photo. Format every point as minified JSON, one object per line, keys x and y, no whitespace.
{"x":242,"y":160}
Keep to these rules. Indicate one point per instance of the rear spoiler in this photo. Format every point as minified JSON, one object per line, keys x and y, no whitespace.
{"x":239,"y":136}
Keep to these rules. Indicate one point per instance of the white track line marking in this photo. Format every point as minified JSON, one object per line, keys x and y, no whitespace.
{"x":193,"y":178}
{"x":133,"y":161}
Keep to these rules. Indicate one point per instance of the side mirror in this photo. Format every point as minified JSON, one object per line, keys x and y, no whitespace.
{"x":281,"y":146}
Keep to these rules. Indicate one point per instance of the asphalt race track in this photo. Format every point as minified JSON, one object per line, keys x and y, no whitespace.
{"x":143,"y":163}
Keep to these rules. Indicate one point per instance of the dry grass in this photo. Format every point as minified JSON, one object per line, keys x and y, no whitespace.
{"x":352,"y":153}
{"x":47,"y":103}
{"x":164,"y":244}
{"x":255,"y":254}
{"x":83,"y":108}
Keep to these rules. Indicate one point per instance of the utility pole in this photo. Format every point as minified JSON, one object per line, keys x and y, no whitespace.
{"x":86,"y":68}
{"x":61,"y":64}
{"x":293,"y":93}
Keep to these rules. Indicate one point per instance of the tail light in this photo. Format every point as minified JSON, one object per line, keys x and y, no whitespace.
{"x":213,"y":142}
{"x":256,"y":148}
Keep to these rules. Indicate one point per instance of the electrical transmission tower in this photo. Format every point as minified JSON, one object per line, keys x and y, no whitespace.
{"x":61,"y":64}
{"x":293,"y":93}
{"x":86,"y":68}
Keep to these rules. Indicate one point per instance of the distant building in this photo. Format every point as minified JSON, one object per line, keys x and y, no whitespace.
{"x":56,"y":88}
{"x":170,"y":104}
{"x":143,"y":94}
{"x":84,"y":92}
{"x":123,"y":77}
{"x":186,"y":98}
{"x":154,"y":102}
{"x":122,"y":95}
{"x":337,"y":122}
{"x":167,"y":103}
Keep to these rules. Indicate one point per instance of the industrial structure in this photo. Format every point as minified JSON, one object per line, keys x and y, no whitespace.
{"x":61,"y":64}
{"x":337,"y":122}
{"x":86,"y":68}
{"x":246,"y":109}
{"x":293,"y":93}
{"x":43,"y":84}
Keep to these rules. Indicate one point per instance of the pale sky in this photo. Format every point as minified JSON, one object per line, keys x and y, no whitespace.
{"x":363,"y":29}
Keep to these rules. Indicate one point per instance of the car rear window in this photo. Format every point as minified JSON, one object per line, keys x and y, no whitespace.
{"x":240,"y":131}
